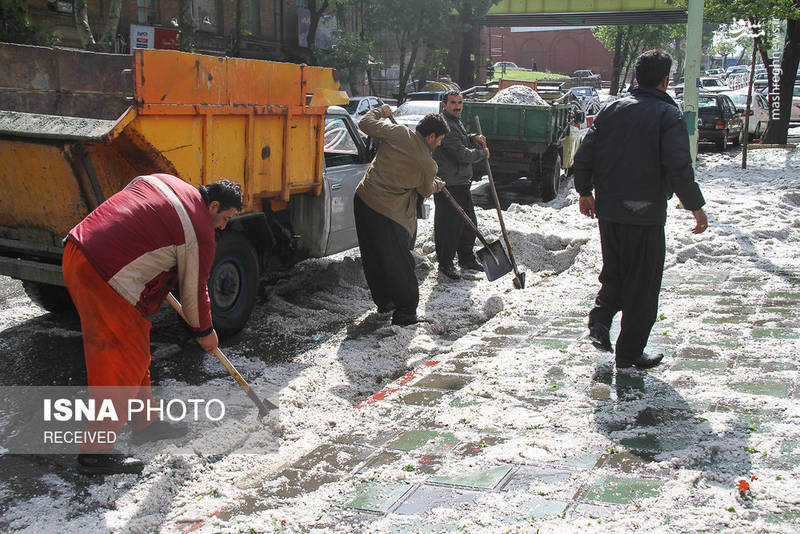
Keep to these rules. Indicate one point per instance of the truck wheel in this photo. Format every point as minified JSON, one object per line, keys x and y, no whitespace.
{"x":723,"y":143}
{"x":551,"y":176}
{"x":233,"y":284}
{"x":54,"y":299}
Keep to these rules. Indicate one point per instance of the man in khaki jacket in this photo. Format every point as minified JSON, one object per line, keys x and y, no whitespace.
{"x":385,"y":208}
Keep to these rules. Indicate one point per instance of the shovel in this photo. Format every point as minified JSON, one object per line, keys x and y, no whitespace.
{"x":265,"y":406}
{"x":519,"y":278}
{"x":492,"y":256}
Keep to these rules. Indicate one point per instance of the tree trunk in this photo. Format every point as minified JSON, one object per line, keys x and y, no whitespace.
{"x":112,"y":23}
{"x":617,"y":64}
{"x":777,"y":130}
{"x":187,"y":25}
{"x":315,"y":15}
{"x":82,"y":25}
{"x":405,"y":72}
{"x":466,"y":69}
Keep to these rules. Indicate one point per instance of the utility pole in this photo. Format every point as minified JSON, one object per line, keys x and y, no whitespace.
{"x":694,"y":36}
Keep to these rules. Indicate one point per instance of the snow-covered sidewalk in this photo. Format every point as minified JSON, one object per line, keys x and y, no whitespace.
{"x":484,"y":422}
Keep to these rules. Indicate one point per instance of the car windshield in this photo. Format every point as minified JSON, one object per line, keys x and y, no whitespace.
{"x":707,"y":104}
{"x":738,"y":98}
{"x":352,"y":106}
{"x":417,"y":107}
{"x":582,"y":91}
{"x":712,"y":82}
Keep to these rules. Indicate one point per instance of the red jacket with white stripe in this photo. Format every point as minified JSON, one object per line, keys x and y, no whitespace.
{"x":154,"y":232}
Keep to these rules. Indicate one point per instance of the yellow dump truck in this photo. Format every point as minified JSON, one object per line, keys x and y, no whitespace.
{"x":76,"y":127}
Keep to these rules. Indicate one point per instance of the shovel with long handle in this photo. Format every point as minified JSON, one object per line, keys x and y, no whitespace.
{"x":519,"y":278}
{"x":265,"y":406}
{"x":493,"y":257}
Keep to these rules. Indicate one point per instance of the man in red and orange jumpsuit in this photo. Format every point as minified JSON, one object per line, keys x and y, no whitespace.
{"x":119,"y":264}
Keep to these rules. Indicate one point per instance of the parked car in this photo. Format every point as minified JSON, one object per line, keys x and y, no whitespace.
{"x":505,"y":65}
{"x":585,"y":73}
{"x":359,"y":105}
{"x":713,"y":85}
{"x":761,"y":80}
{"x":714,"y":73}
{"x":425,"y":95}
{"x":737,"y":69}
{"x":759,"y":111}
{"x":411,"y":112}
{"x":718,"y":120}
{"x":585,"y":93}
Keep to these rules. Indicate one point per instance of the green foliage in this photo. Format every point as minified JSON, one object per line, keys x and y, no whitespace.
{"x":348,"y":55}
{"x":16,"y":25}
{"x":526,"y":76}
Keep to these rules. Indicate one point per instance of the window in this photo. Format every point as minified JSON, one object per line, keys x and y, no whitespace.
{"x":61,"y":6}
{"x":340,"y":148}
{"x":147,"y":11}
{"x":251,"y":23}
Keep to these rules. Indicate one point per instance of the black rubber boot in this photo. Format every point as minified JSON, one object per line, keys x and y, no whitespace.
{"x":598,"y":334}
{"x":645,"y":361}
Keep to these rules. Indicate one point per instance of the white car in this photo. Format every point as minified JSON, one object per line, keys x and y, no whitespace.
{"x":500,"y":65}
{"x":411,"y":112}
{"x":759,"y":110}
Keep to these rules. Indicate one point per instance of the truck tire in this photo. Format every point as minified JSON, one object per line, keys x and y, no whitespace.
{"x":233,"y":283}
{"x":54,"y":299}
{"x":551,"y":175}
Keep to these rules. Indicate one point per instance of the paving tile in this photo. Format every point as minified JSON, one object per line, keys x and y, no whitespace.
{"x":425,"y":397}
{"x":549,"y":343}
{"x":426,"y":441}
{"x":487,"y":478}
{"x":726,"y":319}
{"x":330,"y":457}
{"x":619,"y":490}
{"x":533,"y":477}
{"x":425,"y":528}
{"x":457,"y":365}
{"x":593,"y":511}
{"x":463,"y":403}
{"x":423,"y":463}
{"x":477,"y":447}
{"x":446,"y":382}
{"x":373,"y":497}
{"x":540,"y":508}
{"x":775,"y":333}
{"x":768,"y":366}
{"x":513,"y":330}
{"x":372,"y":439}
{"x":698,"y":353}
{"x":781,"y":311}
{"x":293,"y":482}
{"x":654,"y":443}
{"x":501,"y":342}
{"x":698,"y":365}
{"x":427,"y":497}
{"x":622,"y":461}
{"x":762,"y":387}
{"x":582,"y":460}
{"x":793,"y":296}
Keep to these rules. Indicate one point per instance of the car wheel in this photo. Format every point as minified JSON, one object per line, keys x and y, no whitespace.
{"x":737,"y":140}
{"x":551,"y":174}
{"x":757,"y":133}
{"x":233,"y":283}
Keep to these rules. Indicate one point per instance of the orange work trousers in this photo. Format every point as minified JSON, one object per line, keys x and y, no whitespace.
{"x":116,"y":344}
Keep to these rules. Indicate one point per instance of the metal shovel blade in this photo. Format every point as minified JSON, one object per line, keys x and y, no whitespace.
{"x":494,"y":260}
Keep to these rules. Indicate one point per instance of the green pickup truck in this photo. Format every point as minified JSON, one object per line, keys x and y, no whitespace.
{"x":538,"y":142}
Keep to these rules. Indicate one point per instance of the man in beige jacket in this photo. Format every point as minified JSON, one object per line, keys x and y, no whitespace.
{"x":385,"y":208}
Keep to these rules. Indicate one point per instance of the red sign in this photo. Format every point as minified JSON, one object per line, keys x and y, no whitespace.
{"x":167,"y":38}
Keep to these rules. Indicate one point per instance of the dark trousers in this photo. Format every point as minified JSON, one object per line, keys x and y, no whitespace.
{"x":451,"y":234}
{"x":633,"y":262}
{"x":387,"y":261}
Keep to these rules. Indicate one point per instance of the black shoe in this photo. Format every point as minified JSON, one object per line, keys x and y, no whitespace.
{"x":645,"y":361}
{"x":158,"y":430}
{"x":470,"y":264}
{"x":108,"y":464}
{"x":402,"y":319}
{"x":449,"y":271}
{"x":598,"y":334}
{"x":386,"y":308}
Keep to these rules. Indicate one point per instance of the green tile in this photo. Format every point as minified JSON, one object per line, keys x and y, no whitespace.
{"x":618,"y":490}
{"x":423,"y":398}
{"x":789,"y":516}
{"x":463,"y":403}
{"x":428,"y":497}
{"x":484,"y":478}
{"x":785,"y":295}
{"x":548,"y":343}
{"x":726,"y":319}
{"x":513,"y":330}
{"x":728,"y":343}
{"x":292,"y":482}
{"x":440,"y":381}
{"x":788,"y":446}
{"x":330,"y":457}
{"x":653,"y":442}
{"x":768,"y":366}
{"x":698,"y":292}
{"x":622,"y":461}
{"x":719,"y":276}
{"x":698,"y":353}
{"x":698,"y":365}
{"x":779,"y":311}
{"x":539,"y":508}
{"x":477,"y":447}
{"x":413,"y":439}
{"x":583,"y":460}
{"x":762,"y":387}
{"x":373,"y":497}
{"x":775,"y":333}
{"x":424,"y":528}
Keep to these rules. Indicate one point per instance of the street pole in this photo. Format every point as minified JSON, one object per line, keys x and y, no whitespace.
{"x":694,"y":36}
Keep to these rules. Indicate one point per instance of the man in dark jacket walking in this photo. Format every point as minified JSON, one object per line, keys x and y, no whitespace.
{"x":455,"y":157}
{"x":635,"y":155}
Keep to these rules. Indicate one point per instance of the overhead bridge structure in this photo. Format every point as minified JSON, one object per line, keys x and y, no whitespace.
{"x":614,"y":13}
